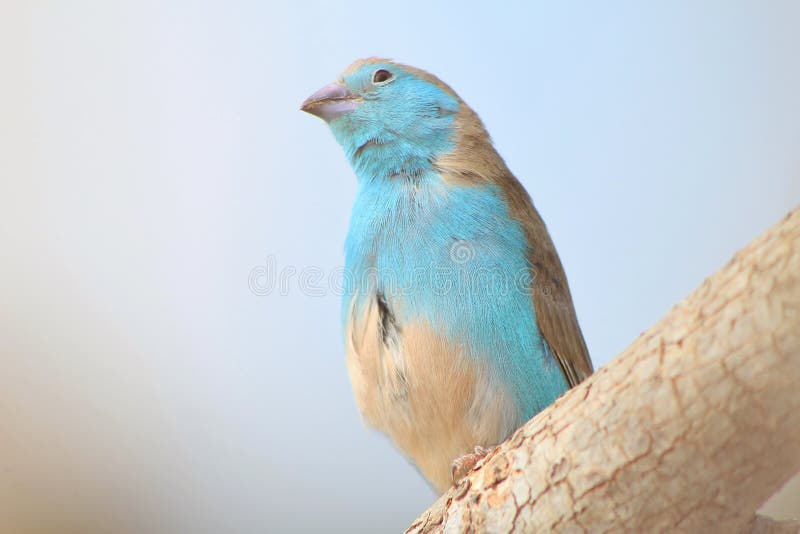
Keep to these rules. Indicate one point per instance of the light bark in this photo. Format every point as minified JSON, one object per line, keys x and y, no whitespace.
{"x":690,"y":429}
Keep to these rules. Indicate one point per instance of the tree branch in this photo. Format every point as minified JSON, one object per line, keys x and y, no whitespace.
{"x":690,"y":429}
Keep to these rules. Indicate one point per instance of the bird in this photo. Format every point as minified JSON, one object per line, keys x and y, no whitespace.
{"x":457,"y":317}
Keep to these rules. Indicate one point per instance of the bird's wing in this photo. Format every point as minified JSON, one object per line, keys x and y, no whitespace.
{"x":476,"y":162}
{"x":555,"y":313}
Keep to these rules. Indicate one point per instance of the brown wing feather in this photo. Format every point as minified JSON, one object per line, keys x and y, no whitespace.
{"x":555,"y":313}
{"x":476,"y":161}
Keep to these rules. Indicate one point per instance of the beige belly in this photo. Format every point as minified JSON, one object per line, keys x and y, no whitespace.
{"x":429,"y":395}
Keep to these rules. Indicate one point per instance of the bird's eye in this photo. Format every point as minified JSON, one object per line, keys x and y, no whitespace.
{"x":382,"y":76}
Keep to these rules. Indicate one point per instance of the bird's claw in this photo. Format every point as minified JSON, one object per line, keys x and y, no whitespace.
{"x":466,"y":463}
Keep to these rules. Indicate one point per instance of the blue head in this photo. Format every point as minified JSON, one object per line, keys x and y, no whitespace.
{"x":390,"y":119}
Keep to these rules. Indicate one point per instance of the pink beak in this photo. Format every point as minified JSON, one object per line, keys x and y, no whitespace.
{"x":329,"y":102}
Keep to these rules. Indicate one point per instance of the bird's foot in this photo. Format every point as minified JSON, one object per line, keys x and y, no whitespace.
{"x":466,"y":463}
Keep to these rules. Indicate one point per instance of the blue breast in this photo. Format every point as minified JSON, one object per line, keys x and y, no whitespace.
{"x":454,"y":257}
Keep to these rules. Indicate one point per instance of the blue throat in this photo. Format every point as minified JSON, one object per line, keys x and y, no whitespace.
{"x":451,"y":256}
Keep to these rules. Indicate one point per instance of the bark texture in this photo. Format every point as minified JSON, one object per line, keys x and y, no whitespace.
{"x":690,"y":429}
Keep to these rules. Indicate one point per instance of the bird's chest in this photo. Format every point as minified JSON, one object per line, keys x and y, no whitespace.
{"x":421,"y":319}
{"x":425,"y":247}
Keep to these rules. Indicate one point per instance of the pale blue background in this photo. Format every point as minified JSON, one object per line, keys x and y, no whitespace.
{"x":152,"y":154}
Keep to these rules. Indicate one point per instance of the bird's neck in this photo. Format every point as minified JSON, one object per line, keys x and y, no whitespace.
{"x":387,"y":155}
{"x":393,"y":159}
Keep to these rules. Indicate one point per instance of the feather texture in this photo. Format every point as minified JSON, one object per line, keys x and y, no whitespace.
{"x":459,"y":325}
{"x":475,"y":161}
